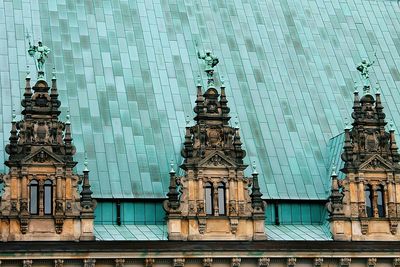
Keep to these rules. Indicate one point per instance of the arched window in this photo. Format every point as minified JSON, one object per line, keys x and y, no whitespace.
{"x":221,"y":199}
{"x":34,"y":197}
{"x":368,"y":201}
{"x":208,"y":193}
{"x":48,"y":197}
{"x":381,"y":203}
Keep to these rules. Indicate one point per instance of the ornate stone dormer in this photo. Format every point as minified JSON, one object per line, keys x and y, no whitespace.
{"x":365,"y":205}
{"x":213,"y":201}
{"x":41,"y":199}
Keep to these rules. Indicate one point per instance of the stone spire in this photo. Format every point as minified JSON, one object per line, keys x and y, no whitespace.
{"x":41,"y":195}
{"x":363,"y":204}
{"x":213,"y":193}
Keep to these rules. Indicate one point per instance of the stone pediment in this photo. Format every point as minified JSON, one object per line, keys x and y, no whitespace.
{"x":216,"y":160}
{"x":376,"y":163}
{"x":41,"y":156}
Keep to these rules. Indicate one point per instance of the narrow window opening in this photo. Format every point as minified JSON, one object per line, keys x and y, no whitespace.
{"x":208,"y":193}
{"x":48,"y":197}
{"x":34,"y":197}
{"x":381,"y":204}
{"x":221,"y":199}
{"x":369,"y":201}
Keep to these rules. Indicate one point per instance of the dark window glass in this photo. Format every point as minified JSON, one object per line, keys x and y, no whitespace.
{"x":208,"y":192}
{"x":221,"y":199}
{"x":48,"y":197}
{"x":34,"y":197}
{"x":369,"y":201}
{"x":381,"y":204}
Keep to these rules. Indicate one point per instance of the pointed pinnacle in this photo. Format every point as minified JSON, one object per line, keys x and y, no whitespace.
{"x":333,"y":170}
{"x":378,"y":89}
{"x":355,"y":87}
{"x":236,"y":122}
{"x":222,"y":80}
{"x":187,"y":120}
{"x":27,"y":73}
{"x":14,"y":117}
{"x":391,"y":125}
{"x":198,"y":80}
{"x":346,"y":124}
{"x":67,"y":118}
{"x":172,"y":171}
{"x":54,"y":74}
{"x":254,"y":167}
{"x":85,"y":163}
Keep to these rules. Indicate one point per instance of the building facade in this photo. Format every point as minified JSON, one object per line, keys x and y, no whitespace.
{"x":270,"y":172}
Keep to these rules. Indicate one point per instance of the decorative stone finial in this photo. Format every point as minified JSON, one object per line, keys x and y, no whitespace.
{"x":14,"y":117}
{"x":346,"y":124}
{"x":254,"y":167}
{"x":85,"y":163}
{"x":333,"y":170}
{"x":187,"y":121}
{"x":67,"y":118}
{"x":172,"y":171}
{"x":198,"y":80}
{"x":222,"y":81}
{"x":27,"y":73}
{"x":391,"y":125}
{"x":54,"y":74}
{"x":355,"y":87}
{"x":236,"y":122}
{"x":378,"y":89}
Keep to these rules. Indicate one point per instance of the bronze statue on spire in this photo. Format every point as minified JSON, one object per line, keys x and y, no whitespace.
{"x":39,"y":53}
{"x":363,"y":67}
{"x":210,"y":61}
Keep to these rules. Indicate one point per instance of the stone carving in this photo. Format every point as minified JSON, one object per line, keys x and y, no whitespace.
{"x":345,"y":262}
{"x":89,"y":263}
{"x":120,"y":262}
{"x":207,"y":262}
{"x":264,"y":262}
{"x":149,"y":262}
{"x":202,"y":225}
{"x":58,"y":263}
{"x":179,"y":262}
{"x":27,"y":263}
{"x":236,"y":262}
{"x":291,"y":262}
{"x":393,"y":226}
{"x":364,"y":226}
{"x":371,"y":262}
{"x":318,"y":262}
{"x":396,"y":262}
{"x":233,"y":222}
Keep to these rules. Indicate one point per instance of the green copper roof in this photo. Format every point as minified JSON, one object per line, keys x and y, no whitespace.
{"x":126,"y":71}
{"x":130,"y":232}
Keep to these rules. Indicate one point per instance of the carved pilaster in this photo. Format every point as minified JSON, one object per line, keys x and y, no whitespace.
{"x":58,"y":263}
{"x":264,"y":262}
{"x":236,"y":262}
{"x":207,"y":262}
{"x":120,"y":262}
